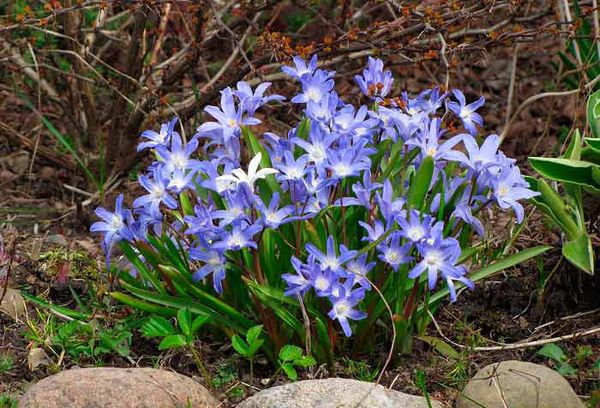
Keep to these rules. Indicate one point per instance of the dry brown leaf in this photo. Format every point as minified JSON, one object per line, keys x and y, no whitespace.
{"x":13,"y":304}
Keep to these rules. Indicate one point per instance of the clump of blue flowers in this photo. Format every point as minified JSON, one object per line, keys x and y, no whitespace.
{"x":352,"y":196}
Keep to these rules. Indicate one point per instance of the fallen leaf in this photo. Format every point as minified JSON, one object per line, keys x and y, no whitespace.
{"x":37,"y":357}
{"x":13,"y":304}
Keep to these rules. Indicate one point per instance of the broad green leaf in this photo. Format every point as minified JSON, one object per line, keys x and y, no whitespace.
{"x":440,"y":346}
{"x":184,"y":320}
{"x":593,"y":113}
{"x":290,"y":352}
{"x":172,"y":341}
{"x":558,"y":209}
{"x":305,"y":361}
{"x":566,"y":170}
{"x":240,"y":346}
{"x":580,"y":252}
{"x":157,"y":327}
{"x":254,"y":333}
{"x":573,"y":151}
{"x":199,"y":322}
{"x":290,"y":371}
{"x":492,"y":269}
{"x":420,"y":184}
{"x":566,"y":370}
{"x":594,"y":144}
{"x":554,"y":352}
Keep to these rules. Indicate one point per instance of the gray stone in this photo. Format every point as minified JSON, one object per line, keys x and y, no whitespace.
{"x":518,"y":384}
{"x":117,"y":388}
{"x":333,"y":393}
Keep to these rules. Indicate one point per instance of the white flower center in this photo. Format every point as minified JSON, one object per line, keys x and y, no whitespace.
{"x":393,"y":256}
{"x":321,"y":283}
{"x":179,"y":161}
{"x":117,"y":222}
{"x":433,"y":259}
{"x":415,"y":233}
{"x":232,"y":123}
{"x":342,"y":169}
{"x":342,"y":308}
{"x":236,"y":239}
{"x":331,"y":263}
{"x":314,"y":94}
{"x":503,"y":190}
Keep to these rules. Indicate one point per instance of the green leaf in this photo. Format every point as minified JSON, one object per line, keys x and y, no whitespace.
{"x":142,"y":305}
{"x":254,"y":333}
{"x":594,"y":144}
{"x":558,"y":210}
{"x":593,"y":113}
{"x":290,"y":352}
{"x":172,"y":341}
{"x":492,"y":269}
{"x":58,"y":309}
{"x":420,"y":184}
{"x":184,"y":320}
{"x":157,"y":327}
{"x":566,"y":170}
{"x":199,"y":322}
{"x":290,"y":371}
{"x":580,"y":252}
{"x":566,"y":370}
{"x":440,"y":346}
{"x":553,"y":352}
{"x":305,"y":361}
{"x":240,"y":346}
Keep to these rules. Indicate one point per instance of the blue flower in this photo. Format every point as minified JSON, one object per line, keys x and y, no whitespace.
{"x":229,"y":118}
{"x":162,"y":138}
{"x":323,"y":281}
{"x":508,"y":188}
{"x":357,"y":269}
{"x":317,"y":147}
{"x":467,"y":113}
{"x":394,"y":254}
{"x":113,"y":226}
{"x":314,"y":88}
{"x":178,"y":156}
{"x":330,"y":260}
{"x":214,"y":262}
{"x":348,"y":162}
{"x":156,"y":186}
{"x":431,"y":100}
{"x":374,"y":81}
{"x":291,"y":169}
{"x":484,"y":157}
{"x":251,"y":101}
{"x":430,"y":146}
{"x":299,"y":283}
{"x":240,"y":236}
{"x":302,"y":69}
{"x":438,"y":255}
{"x":413,"y":227}
{"x":272,"y":217}
{"x":343,"y":308}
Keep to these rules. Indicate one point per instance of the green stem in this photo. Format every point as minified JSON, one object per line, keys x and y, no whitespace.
{"x":203,"y":370}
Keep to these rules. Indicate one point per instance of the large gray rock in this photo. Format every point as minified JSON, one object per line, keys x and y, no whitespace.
{"x":333,"y":393}
{"x":518,"y":384}
{"x":117,"y":388}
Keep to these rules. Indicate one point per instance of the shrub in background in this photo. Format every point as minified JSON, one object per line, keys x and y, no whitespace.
{"x":355,"y":214}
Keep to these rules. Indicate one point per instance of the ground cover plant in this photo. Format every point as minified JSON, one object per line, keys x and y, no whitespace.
{"x":299,"y":189}
{"x":357,"y":212}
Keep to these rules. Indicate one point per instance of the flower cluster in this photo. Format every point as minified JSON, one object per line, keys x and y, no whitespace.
{"x":358,"y":163}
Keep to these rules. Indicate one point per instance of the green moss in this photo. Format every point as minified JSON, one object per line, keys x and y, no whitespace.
{"x":81,"y":265}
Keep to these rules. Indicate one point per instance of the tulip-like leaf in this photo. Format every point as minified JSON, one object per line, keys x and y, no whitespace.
{"x":567,"y":171}
{"x":580,"y":253}
{"x":593,"y":113}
